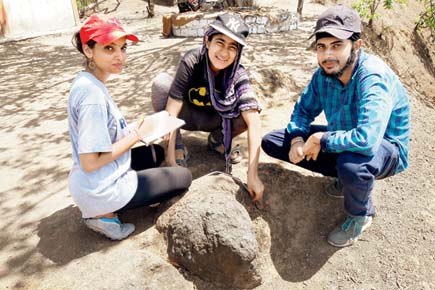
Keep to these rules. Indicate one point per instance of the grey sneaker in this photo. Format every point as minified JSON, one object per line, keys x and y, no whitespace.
{"x":110,"y":227}
{"x":348,"y":233}
{"x":334,"y":189}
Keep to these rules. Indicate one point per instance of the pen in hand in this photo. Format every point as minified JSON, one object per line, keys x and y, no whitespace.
{"x":140,"y":121}
{"x":138,"y":124}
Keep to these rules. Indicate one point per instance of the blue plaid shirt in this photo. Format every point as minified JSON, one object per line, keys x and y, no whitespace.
{"x":372,"y":106}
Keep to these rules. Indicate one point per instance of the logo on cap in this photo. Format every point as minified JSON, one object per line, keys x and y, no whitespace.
{"x":233,"y":24}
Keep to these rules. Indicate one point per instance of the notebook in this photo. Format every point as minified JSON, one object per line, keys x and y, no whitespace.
{"x":157,"y":125}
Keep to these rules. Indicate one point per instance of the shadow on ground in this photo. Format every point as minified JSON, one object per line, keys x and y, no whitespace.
{"x":299,"y":216}
{"x":64,"y":237}
{"x":36,"y":149}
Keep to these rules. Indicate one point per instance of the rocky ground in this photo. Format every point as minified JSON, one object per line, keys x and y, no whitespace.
{"x":44,"y":244}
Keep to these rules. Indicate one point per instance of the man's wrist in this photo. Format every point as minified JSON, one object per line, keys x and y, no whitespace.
{"x":324,"y":141}
{"x":296,"y":140}
{"x":317,"y":137}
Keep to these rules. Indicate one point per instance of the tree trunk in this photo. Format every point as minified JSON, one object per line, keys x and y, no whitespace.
{"x":300,"y":7}
{"x":150,"y":8}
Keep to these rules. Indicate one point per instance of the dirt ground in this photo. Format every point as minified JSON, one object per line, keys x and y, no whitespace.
{"x":44,"y":244}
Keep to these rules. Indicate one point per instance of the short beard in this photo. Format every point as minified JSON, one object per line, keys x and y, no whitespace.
{"x":349,"y":62}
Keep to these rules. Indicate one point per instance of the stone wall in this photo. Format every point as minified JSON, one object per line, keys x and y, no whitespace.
{"x":261,"y":21}
{"x":165,"y":2}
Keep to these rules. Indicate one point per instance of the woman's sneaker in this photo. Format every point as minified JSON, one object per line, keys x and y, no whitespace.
{"x":348,"y":233}
{"x":110,"y":227}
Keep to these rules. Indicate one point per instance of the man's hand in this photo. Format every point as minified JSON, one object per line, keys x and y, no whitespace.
{"x":296,"y":153}
{"x":312,"y":147}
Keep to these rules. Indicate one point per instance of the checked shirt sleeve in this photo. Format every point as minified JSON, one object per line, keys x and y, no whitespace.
{"x":306,"y":109}
{"x":373,"y":112}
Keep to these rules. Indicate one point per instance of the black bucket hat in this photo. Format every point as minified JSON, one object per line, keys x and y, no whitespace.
{"x":339,"y":21}
{"x":233,"y":26}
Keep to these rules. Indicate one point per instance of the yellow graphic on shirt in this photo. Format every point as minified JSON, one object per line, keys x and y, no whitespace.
{"x":197,"y":96}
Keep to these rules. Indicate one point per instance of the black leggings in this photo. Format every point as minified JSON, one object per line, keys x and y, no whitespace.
{"x":155,"y":184}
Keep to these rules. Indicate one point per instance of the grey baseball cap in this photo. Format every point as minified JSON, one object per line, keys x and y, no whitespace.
{"x":340,"y":21}
{"x":233,"y":26}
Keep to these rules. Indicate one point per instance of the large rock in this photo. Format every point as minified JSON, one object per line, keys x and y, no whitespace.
{"x":210,"y":233}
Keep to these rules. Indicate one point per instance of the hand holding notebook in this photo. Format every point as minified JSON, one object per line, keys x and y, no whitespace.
{"x":155,"y":126}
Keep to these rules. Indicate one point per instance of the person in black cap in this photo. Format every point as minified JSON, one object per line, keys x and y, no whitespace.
{"x":212,"y":93}
{"x":367,"y":113}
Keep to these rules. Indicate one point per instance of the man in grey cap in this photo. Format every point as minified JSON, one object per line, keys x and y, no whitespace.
{"x":367,"y":112}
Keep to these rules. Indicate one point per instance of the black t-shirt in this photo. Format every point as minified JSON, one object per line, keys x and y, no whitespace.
{"x":191,"y":86}
{"x":190,"y":83}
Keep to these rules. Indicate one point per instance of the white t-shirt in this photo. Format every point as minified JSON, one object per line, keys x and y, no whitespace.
{"x":95,"y":123}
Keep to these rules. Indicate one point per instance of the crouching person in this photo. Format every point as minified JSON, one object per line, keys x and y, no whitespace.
{"x":211,"y":92}
{"x":367,"y":112}
{"x":107,"y":175}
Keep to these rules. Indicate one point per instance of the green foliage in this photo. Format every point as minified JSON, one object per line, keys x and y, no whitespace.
{"x":84,"y":5}
{"x":367,"y":8}
{"x":87,"y":7}
{"x":81,"y":4}
{"x":427,"y":18}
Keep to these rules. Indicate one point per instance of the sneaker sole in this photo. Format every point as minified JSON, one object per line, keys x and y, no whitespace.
{"x":98,"y":230}
{"x":353,"y":241}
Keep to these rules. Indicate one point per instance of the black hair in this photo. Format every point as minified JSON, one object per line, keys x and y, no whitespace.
{"x":210,"y":37}
{"x":322,"y":35}
{"x":77,"y":42}
{"x":354,"y":37}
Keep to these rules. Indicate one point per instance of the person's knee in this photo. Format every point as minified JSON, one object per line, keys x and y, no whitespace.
{"x":184,"y":176}
{"x":238,"y":126}
{"x":266,"y":143}
{"x":160,"y":90}
{"x":351,"y":168}
{"x":163,"y":79}
{"x":187,"y":178}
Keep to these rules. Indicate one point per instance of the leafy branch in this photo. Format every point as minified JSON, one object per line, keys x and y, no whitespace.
{"x":426,"y":18}
{"x":86,"y":6}
{"x":368,"y":8}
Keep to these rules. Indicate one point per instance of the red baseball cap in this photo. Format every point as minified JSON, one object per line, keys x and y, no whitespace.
{"x":104,"y":30}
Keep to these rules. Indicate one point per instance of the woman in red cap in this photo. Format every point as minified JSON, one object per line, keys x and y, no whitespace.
{"x":108,"y":176}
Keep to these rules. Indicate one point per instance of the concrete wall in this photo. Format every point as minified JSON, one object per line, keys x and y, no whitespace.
{"x":27,"y":18}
